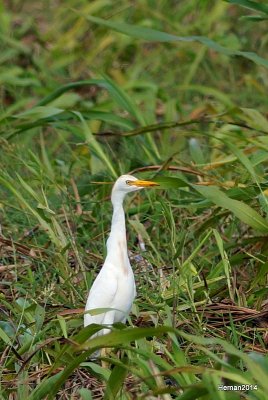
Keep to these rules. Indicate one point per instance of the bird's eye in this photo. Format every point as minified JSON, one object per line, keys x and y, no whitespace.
{"x":128,"y":182}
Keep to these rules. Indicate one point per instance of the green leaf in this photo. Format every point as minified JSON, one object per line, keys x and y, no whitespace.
{"x":141,"y":230}
{"x":94,"y":145}
{"x":166,"y":182}
{"x":85,"y":394}
{"x":65,"y":88}
{"x":152,"y":35}
{"x":116,"y":381}
{"x":122,"y":98}
{"x":209,"y":91}
{"x":253,"y":18}
{"x":39,"y":113}
{"x":261,"y":360}
{"x":4,"y":337}
{"x":253,"y":117}
{"x":98,"y":370}
{"x":252,"y":5}
{"x":243,"y":159}
{"x":63,"y":325}
{"x":124,"y":336}
{"x":195,"y":392}
{"x":241,"y":210}
{"x":39,"y":315}
{"x":111,"y":118}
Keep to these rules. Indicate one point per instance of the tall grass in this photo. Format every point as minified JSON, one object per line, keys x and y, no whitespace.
{"x":171,"y":92}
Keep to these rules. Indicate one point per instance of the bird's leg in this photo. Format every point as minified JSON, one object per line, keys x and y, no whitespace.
{"x":105,"y":351}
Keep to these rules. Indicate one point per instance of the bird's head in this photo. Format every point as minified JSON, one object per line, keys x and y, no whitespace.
{"x":128,"y":183}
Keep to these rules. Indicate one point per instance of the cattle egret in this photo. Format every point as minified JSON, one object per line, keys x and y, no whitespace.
{"x":114,"y":288}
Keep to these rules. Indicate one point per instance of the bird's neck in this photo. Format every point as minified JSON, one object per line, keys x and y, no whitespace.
{"x":118,"y":227}
{"x":117,"y":243}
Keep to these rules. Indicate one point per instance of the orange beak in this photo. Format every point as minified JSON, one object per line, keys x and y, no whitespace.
{"x":139,"y":183}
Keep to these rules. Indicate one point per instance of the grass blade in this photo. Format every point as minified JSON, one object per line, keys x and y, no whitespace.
{"x":116,"y":381}
{"x":252,"y":5}
{"x":241,"y":210}
{"x":139,"y":32}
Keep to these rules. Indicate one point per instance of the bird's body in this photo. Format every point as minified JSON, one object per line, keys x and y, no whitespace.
{"x":114,"y":288}
{"x":117,"y":294}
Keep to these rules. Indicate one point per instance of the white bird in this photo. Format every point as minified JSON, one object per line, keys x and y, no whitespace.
{"x":114,"y":287}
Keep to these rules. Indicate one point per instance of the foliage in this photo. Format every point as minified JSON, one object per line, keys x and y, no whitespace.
{"x":171,"y":91}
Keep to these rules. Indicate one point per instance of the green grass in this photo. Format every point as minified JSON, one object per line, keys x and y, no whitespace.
{"x":171,"y":91}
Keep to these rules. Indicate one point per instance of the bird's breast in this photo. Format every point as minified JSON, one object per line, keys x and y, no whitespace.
{"x":126,"y":292}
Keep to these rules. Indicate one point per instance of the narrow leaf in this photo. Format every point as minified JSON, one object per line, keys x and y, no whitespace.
{"x":241,"y":210}
{"x":140,"y":32}
{"x":115,"y":382}
{"x":252,"y":5}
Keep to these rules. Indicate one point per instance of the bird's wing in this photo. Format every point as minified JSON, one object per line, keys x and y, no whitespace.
{"x":101,"y":295}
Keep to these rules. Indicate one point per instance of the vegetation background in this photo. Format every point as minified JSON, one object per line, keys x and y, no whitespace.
{"x":174,"y":91}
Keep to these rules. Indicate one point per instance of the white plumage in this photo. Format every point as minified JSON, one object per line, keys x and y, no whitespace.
{"x":114,"y":287}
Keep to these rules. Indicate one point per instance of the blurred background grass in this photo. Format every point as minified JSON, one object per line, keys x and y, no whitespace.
{"x":81,"y":103}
